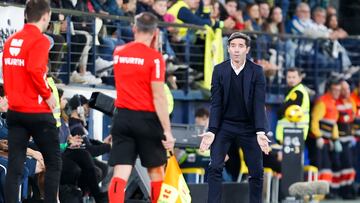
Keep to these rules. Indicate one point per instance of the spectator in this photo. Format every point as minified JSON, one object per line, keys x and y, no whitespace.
{"x":218,"y":12}
{"x":264,"y":9}
{"x":54,"y":32}
{"x":301,"y":21}
{"x":82,"y":43}
{"x":275,"y":24}
{"x":114,"y":7}
{"x":108,"y":7}
{"x":331,"y":10}
{"x":288,"y":7}
{"x":332,"y":24}
{"x":182,"y":11}
{"x":143,"y":6}
{"x":284,"y":47}
{"x":159,"y":8}
{"x":253,"y":20}
{"x":129,"y":7}
{"x":77,"y":123}
{"x":331,"y":47}
{"x":303,"y":25}
{"x":79,"y":167}
{"x":108,"y":42}
{"x":235,"y":14}
{"x":319,"y":16}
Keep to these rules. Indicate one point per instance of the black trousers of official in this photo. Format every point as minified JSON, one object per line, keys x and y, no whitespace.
{"x":42,"y":127}
{"x":253,"y":159}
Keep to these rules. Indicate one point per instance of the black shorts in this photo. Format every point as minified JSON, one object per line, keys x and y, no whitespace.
{"x":137,"y":133}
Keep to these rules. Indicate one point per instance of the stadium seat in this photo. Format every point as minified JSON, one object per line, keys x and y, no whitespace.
{"x":243,"y":168}
{"x":268,"y":174}
{"x":312,"y":173}
{"x":199,"y":172}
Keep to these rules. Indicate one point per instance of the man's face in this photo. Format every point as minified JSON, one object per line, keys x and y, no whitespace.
{"x":335,"y":91}
{"x":303,"y":13}
{"x":320,"y":17}
{"x":237,"y":50}
{"x":293,"y":78}
{"x":264,"y":10}
{"x":231,"y":8}
{"x":160,"y":7}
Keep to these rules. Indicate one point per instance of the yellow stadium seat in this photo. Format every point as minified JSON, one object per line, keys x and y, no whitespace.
{"x":312,"y":171}
{"x":199,"y":172}
{"x":243,"y":168}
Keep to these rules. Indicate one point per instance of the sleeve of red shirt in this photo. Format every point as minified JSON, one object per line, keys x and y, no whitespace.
{"x":37,"y":66}
{"x":158,"y":70}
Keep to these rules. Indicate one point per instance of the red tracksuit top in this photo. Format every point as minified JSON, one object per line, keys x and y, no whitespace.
{"x":25,"y":60}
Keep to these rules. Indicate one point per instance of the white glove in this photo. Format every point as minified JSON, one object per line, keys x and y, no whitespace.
{"x":337,"y":146}
{"x":320,"y":142}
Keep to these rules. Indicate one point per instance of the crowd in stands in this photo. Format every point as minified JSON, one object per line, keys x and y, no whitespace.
{"x":313,"y":19}
{"x":273,"y":18}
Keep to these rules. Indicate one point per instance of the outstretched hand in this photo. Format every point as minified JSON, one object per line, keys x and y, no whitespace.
{"x":207,"y":140}
{"x":263,"y":142}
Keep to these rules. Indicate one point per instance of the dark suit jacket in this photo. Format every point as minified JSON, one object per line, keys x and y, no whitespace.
{"x":254,"y":94}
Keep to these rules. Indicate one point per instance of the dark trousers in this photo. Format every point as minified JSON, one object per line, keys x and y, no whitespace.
{"x":81,"y":159}
{"x":356,"y":160}
{"x":253,"y":159}
{"x":42,"y":127}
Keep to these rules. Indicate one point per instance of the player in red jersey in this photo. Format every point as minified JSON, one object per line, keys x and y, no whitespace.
{"x":31,"y":101}
{"x":141,"y":125}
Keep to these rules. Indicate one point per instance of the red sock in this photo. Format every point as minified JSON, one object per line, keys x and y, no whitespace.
{"x":155,"y":190}
{"x":116,"y":190}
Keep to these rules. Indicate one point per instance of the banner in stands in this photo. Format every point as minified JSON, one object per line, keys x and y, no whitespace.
{"x":214,"y":54}
{"x":11,"y":20}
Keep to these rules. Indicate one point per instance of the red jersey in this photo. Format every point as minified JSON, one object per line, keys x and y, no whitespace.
{"x":25,"y":60}
{"x":135,"y":67}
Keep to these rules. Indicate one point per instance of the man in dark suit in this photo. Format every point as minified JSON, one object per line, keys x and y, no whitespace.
{"x":237,"y":114}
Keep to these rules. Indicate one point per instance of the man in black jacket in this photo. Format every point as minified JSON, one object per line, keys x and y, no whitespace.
{"x":237,"y":115}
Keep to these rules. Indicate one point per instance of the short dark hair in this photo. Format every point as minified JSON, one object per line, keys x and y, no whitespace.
{"x":240,"y":35}
{"x":201,"y":112}
{"x":332,"y":81}
{"x":146,"y":22}
{"x":76,"y":101}
{"x":294,"y":69}
{"x":263,"y":2}
{"x":227,"y":1}
{"x":35,"y":9}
